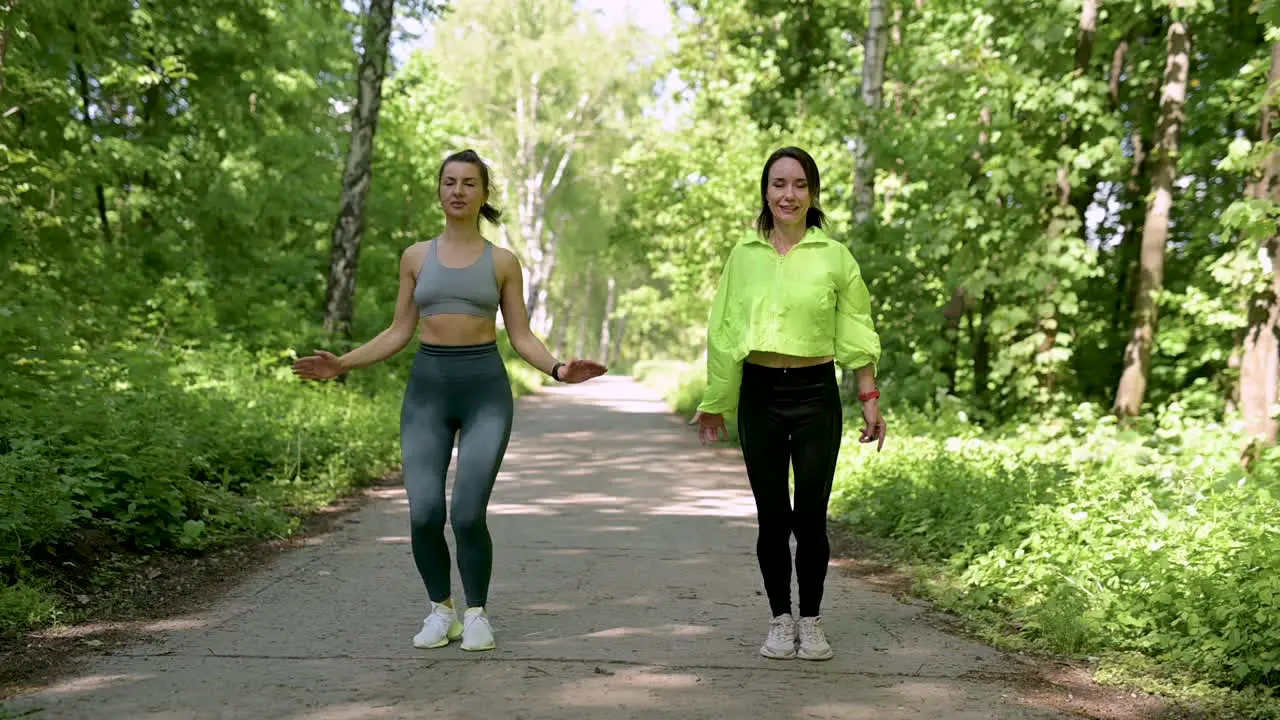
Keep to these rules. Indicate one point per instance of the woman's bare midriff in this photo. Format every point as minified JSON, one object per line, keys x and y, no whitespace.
{"x":778,"y":360}
{"x":456,"y":329}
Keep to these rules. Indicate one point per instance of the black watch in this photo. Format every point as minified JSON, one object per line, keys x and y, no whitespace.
{"x":554,"y":368}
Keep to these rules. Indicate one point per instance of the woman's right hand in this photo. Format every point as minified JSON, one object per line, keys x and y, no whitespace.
{"x":321,"y":366}
{"x":710,"y":427}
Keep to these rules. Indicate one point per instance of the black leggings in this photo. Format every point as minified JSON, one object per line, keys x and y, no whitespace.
{"x":793,"y":417}
{"x":463,"y":391}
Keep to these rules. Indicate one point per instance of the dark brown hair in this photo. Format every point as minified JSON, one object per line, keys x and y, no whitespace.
{"x":487,"y":211}
{"x":815,"y":217}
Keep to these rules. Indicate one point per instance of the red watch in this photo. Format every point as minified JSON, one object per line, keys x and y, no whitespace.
{"x":863,"y":397}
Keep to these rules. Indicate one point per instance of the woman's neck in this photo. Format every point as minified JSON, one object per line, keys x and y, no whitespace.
{"x":461,"y":231}
{"x":789,"y":235}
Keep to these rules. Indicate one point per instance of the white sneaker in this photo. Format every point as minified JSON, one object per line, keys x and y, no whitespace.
{"x":781,"y":643}
{"x":813,"y":641}
{"x":438,"y":628}
{"x":476,"y":632}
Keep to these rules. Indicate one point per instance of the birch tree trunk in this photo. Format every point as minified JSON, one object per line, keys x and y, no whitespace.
{"x":348,"y":231}
{"x":541,"y":161}
{"x":616,"y":352}
{"x":864,"y":180}
{"x":584,"y":312}
{"x":864,"y":198}
{"x":610,"y":303}
{"x":1155,"y":230}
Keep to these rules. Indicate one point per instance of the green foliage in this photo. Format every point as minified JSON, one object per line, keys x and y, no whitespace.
{"x":25,"y":605}
{"x":1089,"y":538}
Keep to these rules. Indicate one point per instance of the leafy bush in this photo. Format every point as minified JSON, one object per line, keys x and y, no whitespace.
{"x":25,"y":605}
{"x":1090,"y":540}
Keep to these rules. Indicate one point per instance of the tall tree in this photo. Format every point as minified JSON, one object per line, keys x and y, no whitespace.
{"x":1260,"y":361}
{"x":1155,"y":230}
{"x":86,"y":109}
{"x":872,"y":94}
{"x":348,"y":231}
{"x":864,"y":175}
{"x":543,"y":105}
{"x":607,"y":320}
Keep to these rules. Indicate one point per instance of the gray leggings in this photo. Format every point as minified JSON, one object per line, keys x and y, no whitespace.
{"x":463,"y":390}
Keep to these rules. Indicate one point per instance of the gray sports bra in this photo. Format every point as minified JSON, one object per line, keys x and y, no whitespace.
{"x":471,"y":290}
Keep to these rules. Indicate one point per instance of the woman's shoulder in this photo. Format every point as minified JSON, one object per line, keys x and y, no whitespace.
{"x":502,"y":256}
{"x":419,"y":247}
{"x":413,"y":255}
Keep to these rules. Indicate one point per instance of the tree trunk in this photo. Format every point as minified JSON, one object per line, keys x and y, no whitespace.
{"x":85,"y":103}
{"x":1136,"y":191}
{"x":616,"y":353}
{"x":1117,"y":69}
{"x":538,"y":170}
{"x":1086,"y":33}
{"x":1155,"y":230}
{"x":1260,"y":360}
{"x":557,"y":337}
{"x":864,"y":191}
{"x":348,"y":231}
{"x":580,"y":342}
{"x":952,"y":314}
{"x":864,"y":177}
{"x":610,"y":303}
{"x":982,"y":346}
{"x":542,"y":264}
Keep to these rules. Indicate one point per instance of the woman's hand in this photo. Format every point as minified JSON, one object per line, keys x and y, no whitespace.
{"x":576,"y":371}
{"x":875,"y":427}
{"x":710,"y":427}
{"x":321,"y":366}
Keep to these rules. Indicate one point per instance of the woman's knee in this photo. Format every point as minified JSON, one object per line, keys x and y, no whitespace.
{"x":427,"y":516}
{"x":774,"y":525}
{"x":468,"y":522}
{"x":811,"y":533}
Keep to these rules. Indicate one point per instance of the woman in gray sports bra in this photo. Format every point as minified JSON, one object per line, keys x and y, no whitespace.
{"x":451,"y":289}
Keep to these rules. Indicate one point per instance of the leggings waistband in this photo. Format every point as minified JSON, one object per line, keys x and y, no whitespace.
{"x":457,"y":350}
{"x":794,"y":374}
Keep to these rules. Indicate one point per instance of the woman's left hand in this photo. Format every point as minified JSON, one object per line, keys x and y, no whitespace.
{"x":875,"y":427}
{"x":576,"y":371}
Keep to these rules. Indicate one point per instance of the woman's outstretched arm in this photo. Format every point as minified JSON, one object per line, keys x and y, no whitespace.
{"x":324,"y":365}
{"x":516,"y":318}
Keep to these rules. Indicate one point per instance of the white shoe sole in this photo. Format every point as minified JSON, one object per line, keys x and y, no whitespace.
{"x":443,"y":642}
{"x":772,"y":654}
{"x":482,"y":648}
{"x":804,"y":655}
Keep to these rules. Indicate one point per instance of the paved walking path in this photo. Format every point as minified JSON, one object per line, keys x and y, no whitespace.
{"x":625,"y":586}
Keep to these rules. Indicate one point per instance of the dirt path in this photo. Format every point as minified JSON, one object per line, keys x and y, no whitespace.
{"x":625,"y":586}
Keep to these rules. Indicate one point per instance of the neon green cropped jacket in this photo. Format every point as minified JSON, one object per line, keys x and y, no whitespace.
{"x":812,"y":302}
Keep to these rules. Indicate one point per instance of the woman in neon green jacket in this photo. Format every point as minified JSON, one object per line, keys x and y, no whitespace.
{"x":790,"y":305}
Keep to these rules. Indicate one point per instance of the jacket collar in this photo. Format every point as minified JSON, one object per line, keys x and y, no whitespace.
{"x":812,"y":235}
